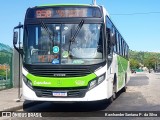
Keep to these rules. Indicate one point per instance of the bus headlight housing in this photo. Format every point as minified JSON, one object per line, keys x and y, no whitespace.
{"x":97,"y":81}
{"x":101,"y":78}
{"x":92,"y":84}
{"x":27,"y":82}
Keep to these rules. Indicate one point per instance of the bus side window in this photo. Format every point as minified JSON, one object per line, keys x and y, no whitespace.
{"x":125,"y":49}
{"x":115,"y":46}
{"x":117,"y":42}
{"x":100,"y":43}
{"x":108,"y":41}
{"x":120,"y":52}
{"x":122,"y":47}
{"x":127,"y":52}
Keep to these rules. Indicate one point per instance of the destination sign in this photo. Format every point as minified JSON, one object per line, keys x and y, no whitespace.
{"x":64,"y":12}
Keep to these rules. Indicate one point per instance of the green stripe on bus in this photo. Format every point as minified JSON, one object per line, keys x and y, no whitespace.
{"x":122,"y":68}
{"x":61,"y":82}
{"x":50,"y":5}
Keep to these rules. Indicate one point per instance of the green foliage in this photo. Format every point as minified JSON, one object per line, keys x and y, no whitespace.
{"x":147,"y":59}
{"x":150,"y":62}
{"x":5,"y":58}
{"x":134,"y":64}
{"x":2,"y":73}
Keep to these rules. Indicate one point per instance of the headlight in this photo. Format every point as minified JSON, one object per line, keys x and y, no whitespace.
{"x":101,"y":78}
{"x":27,"y":82}
{"x":97,"y":81}
{"x":25,"y":79}
{"x":92,"y":84}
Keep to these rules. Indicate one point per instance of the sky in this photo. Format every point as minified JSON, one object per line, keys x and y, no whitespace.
{"x":137,"y":20}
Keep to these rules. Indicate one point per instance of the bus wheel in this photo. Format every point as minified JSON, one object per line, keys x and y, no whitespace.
{"x":113,"y":97}
{"x":110,"y":100}
{"x":124,"y":89}
{"x":114,"y":92}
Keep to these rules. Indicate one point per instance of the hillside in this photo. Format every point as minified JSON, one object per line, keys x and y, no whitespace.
{"x":5,"y":48}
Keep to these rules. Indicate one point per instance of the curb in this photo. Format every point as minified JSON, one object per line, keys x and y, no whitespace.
{"x":18,"y":107}
{"x":15,"y":108}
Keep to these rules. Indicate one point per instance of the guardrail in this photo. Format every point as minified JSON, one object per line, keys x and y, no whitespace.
{"x":5,"y":84}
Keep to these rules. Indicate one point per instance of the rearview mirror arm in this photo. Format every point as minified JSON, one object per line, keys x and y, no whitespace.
{"x":14,"y":44}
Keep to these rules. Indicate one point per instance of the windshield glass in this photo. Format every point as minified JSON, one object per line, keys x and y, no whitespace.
{"x":52,"y":44}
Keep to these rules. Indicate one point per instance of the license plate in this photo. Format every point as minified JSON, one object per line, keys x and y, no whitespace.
{"x":60,"y":94}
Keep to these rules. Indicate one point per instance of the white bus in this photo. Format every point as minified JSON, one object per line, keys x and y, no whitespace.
{"x":71,"y":53}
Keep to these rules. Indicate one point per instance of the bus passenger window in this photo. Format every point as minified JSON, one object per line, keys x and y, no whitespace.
{"x":115,"y":46}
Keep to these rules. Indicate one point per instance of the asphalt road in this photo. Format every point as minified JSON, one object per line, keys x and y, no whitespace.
{"x":142,"y":95}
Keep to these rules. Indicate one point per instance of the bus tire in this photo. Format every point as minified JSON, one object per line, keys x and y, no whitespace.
{"x":114,"y":92}
{"x":110,"y":100}
{"x":114,"y":87}
{"x":113,"y":97}
{"x":125,"y":88}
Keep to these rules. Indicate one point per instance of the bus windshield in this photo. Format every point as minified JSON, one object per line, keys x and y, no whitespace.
{"x":52,"y":44}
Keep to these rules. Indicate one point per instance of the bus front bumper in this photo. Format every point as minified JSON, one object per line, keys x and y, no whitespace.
{"x":100,"y":92}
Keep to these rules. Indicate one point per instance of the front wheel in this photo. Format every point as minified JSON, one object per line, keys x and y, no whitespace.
{"x":113,"y":97}
{"x":124,"y":89}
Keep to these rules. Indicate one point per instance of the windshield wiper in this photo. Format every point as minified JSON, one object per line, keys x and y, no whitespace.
{"x":46,"y":29}
{"x":72,"y":39}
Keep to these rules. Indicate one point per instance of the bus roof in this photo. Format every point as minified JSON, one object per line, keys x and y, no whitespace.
{"x":48,"y":5}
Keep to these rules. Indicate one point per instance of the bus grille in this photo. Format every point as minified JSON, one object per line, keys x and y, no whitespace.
{"x":59,"y":72}
{"x":70,"y":93}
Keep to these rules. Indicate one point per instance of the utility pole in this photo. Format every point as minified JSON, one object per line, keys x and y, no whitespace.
{"x":94,"y":2}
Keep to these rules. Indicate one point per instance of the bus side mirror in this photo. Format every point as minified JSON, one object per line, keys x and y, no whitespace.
{"x":15,"y":37}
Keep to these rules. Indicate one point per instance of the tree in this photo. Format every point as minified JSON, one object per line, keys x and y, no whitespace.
{"x":147,"y":59}
{"x":150,"y":62}
{"x":134,"y":64}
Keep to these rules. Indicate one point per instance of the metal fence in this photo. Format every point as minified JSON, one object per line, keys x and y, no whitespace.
{"x":6,"y":54}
